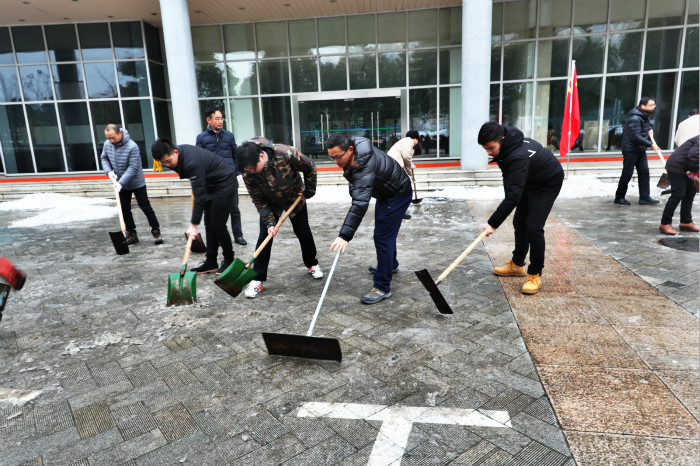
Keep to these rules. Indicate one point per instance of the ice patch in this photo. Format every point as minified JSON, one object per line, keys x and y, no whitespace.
{"x":180,"y":320}
{"x":105,"y":339}
{"x":55,"y":209}
{"x":17,"y":397}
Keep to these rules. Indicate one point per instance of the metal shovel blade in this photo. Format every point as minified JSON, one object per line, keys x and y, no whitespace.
{"x":663,"y":182}
{"x":235,"y":278}
{"x":432,"y":288}
{"x":416,"y":201}
{"x":182,"y":289}
{"x":301,"y":346}
{"x":198,"y":244}
{"x":119,"y":242}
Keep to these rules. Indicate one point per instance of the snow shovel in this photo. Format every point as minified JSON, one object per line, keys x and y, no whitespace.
{"x":431,"y":286}
{"x":306,"y":346}
{"x":415,"y":191}
{"x":239,"y":273}
{"x":182,"y":286}
{"x":118,"y":237}
{"x":198,"y":243}
{"x":663,"y":181}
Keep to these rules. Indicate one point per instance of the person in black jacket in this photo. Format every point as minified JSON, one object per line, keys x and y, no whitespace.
{"x":213,"y":185}
{"x":532,"y":179}
{"x":221,"y":142}
{"x":372,"y":173}
{"x":682,"y":168}
{"x":635,"y":141}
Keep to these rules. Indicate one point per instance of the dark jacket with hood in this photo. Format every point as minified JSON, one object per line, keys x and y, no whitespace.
{"x":376,"y":176}
{"x":221,"y":142}
{"x":685,"y":158}
{"x":124,"y":158}
{"x":526,"y":166}
{"x":635,"y":137}
{"x":211,"y":177}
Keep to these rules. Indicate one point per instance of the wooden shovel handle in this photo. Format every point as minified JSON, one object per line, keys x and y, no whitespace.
{"x":119,"y":208}
{"x":461,"y":257}
{"x":190,"y":239}
{"x":415,"y":191}
{"x":658,"y":151}
{"x":279,"y":224}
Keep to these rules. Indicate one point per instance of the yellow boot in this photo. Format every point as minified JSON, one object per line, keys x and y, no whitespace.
{"x":510,"y":270}
{"x":533,"y":283}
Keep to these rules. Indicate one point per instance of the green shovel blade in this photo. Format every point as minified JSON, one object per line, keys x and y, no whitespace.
{"x":182,"y":289}
{"x":235,"y":278}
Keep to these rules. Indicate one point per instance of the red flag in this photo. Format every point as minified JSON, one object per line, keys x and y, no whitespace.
{"x":571,"y":127}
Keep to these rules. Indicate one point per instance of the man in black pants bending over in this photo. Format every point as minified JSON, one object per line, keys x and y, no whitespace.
{"x":532,"y":179}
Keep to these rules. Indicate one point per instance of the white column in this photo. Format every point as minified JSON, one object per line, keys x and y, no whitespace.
{"x":180,"y":57}
{"x":476,"y":74}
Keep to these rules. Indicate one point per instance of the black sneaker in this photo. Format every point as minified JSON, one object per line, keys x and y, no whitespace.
{"x":205,"y":267}
{"x":224,"y":265}
{"x":648,"y":200}
{"x":373,"y":268}
{"x":622,"y":201}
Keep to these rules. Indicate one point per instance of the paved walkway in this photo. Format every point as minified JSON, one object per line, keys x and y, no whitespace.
{"x":599,"y":368}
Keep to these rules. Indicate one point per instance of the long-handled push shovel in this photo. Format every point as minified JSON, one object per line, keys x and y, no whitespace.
{"x":118,"y":237}
{"x":663,"y":181}
{"x":415,"y":191}
{"x":235,"y":278}
{"x":431,"y":286}
{"x":198,"y":243}
{"x":182,"y":285}
{"x":306,"y":346}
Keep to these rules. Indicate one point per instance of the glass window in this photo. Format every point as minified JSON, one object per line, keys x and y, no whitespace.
{"x":496,"y":62}
{"x":627,"y":14}
{"x":363,"y":71}
{"x":517,"y":105}
{"x":101,"y":81}
{"x":588,"y":53}
{"x":422,"y":117}
{"x":450,"y":118}
{"x":133,"y":79}
{"x":661,"y":86}
{"x":693,"y":8}
{"x":392,"y":69}
{"x":689,"y":97}
{"x":302,"y":37}
{"x":590,"y":16}
{"x":94,"y":41}
{"x":242,"y":78}
{"x":691,"y":48}
{"x":153,"y":43}
{"x":277,"y":117}
{"x":590,"y":112}
{"x":549,"y":113}
{"x":36,"y":82}
{"x":620,"y":98}
{"x":451,"y":26}
{"x":211,"y":80}
{"x":553,"y":58}
{"x":663,"y":49}
{"x":77,"y":138}
{"x":272,"y":39}
{"x":103,"y":114}
{"x":6,"y":56}
{"x":422,"y":67}
{"x":333,"y":73}
{"x":304,"y":75}
{"x":139,"y":122}
{"x":362,"y":35}
{"x":451,"y":66}
{"x":158,"y":80}
{"x":520,"y":19}
{"x":29,"y":44}
{"x":14,"y":140}
{"x":518,"y":60}
{"x":127,"y":40}
{"x":163,"y":112}
{"x":494,"y":110}
{"x":206,"y":43}
{"x":422,"y":28}
{"x":46,"y":139}
{"x":497,"y":22}
{"x":391,"y":29}
{"x":68,"y":82}
{"x":625,"y":52}
{"x":9,"y":85}
{"x":555,"y":18}
{"x":331,"y":35}
{"x":666,"y":13}
{"x":274,"y":77}
{"x":245,"y":115}
{"x":239,"y":41}
{"x":62,"y":42}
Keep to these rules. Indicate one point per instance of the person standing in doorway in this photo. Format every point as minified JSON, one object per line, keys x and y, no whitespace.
{"x":221,"y":142}
{"x":402,"y":151}
{"x":121,"y":161}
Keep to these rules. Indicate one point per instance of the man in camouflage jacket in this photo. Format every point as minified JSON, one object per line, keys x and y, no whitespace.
{"x":272,"y":175}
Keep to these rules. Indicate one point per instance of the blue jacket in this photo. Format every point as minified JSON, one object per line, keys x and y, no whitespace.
{"x":124,"y":158}
{"x":222,"y":143}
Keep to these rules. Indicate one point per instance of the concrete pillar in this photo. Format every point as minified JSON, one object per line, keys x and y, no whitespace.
{"x":180,"y":58}
{"x":476,"y":75}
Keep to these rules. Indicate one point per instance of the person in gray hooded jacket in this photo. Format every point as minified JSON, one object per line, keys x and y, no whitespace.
{"x":121,"y":161}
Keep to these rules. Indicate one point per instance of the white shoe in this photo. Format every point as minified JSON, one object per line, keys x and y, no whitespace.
{"x":315,"y":271}
{"x":253,"y":288}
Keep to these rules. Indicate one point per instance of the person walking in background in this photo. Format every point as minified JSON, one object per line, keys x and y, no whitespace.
{"x":635,"y":142}
{"x":121,"y":161}
{"x":213,"y":186}
{"x":682,"y":168}
{"x":532,"y":179}
{"x":688,"y":128}
{"x":402,"y":151}
{"x":221,"y":142}
{"x":272,"y":175}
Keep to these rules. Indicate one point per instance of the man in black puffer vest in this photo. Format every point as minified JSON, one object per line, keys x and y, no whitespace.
{"x":372,"y":173}
{"x":532,"y":179}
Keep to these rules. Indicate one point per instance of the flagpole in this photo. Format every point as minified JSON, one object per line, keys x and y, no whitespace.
{"x":571,"y":104}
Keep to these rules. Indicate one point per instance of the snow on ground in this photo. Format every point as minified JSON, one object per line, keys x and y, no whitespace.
{"x":54,"y":209}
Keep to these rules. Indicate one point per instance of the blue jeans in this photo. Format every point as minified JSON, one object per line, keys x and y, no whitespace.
{"x":388,"y":214}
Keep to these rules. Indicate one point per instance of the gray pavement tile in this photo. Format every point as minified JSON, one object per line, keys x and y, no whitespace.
{"x":544,"y":433}
{"x":133,"y":420}
{"x":108,"y":374}
{"x":329,"y":451}
{"x":273,"y":453}
{"x":53,"y":418}
{"x":175,"y":422}
{"x":34,"y":462}
{"x":82,"y":448}
{"x":80,"y":462}
{"x":98,"y":394}
{"x":128,"y":449}
{"x":93,"y":419}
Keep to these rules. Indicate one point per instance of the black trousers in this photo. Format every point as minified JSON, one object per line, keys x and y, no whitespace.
{"x":683,"y":192}
{"x":216,"y":214}
{"x":236,"y":229}
{"x":141,"y":196}
{"x":632,"y":160}
{"x":300,"y":225}
{"x":529,"y":219}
